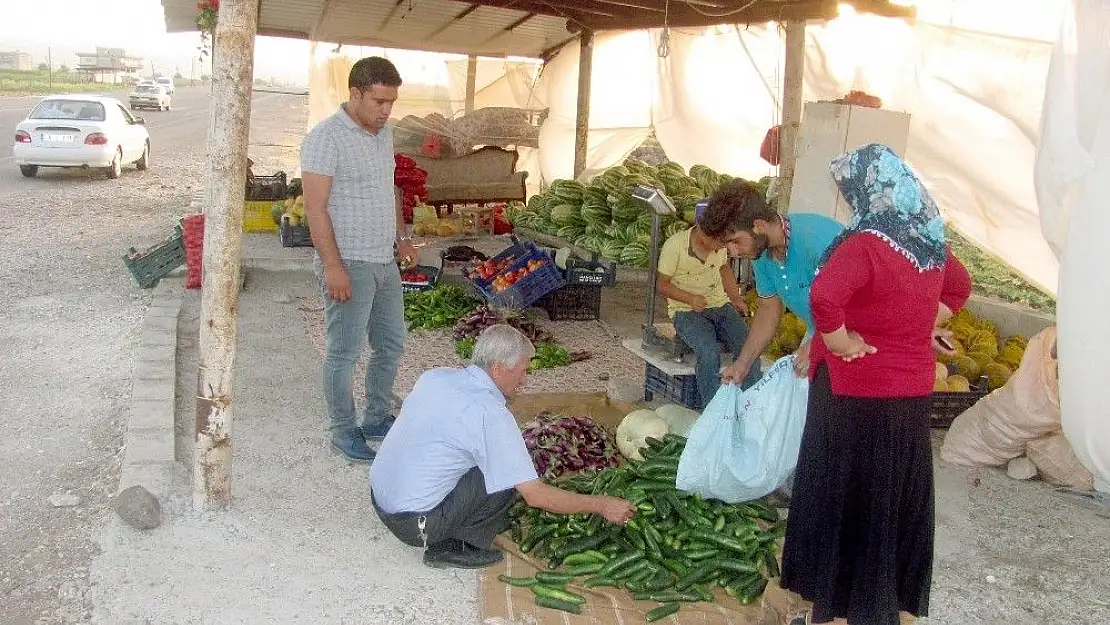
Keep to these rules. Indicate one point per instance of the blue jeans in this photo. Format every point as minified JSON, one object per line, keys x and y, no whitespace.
{"x":375,"y":313}
{"x":701,"y":331}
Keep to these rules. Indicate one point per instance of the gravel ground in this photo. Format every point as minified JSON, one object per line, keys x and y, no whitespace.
{"x":426,"y":349}
{"x":71,"y":318}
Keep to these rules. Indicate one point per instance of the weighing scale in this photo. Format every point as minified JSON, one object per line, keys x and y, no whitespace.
{"x":659,"y":205}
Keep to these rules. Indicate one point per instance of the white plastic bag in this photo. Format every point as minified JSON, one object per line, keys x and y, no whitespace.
{"x":746,"y":443}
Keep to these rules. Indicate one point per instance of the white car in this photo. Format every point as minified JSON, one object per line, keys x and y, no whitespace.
{"x":81,"y":131}
{"x":166,"y":82}
{"x":149,"y":97}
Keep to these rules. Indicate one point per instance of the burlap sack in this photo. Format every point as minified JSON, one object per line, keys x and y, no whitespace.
{"x":1056,"y":462}
{"x":996,"y":429}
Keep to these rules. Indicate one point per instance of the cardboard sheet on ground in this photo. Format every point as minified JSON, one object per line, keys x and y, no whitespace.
{"x":605,"y":606}
{"x":609,"y":606}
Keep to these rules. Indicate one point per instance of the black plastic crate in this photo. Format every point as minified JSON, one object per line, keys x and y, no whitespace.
{"x":681,"y":389}
{"x":269,"y":188}
{"x":433,"y":278}
{"x":573,"y":302}
{"x":294,"y":236}
{"x":945,"y":406}
{"x":592,"y":272}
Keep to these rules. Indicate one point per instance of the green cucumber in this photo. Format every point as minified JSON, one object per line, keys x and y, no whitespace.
{"x":772,"y":563}
{"x":558,"y":594}
{"x":732,"y":564}
{"x":552,"y":577}
{"x":663,"y":611}
{"x":750,"y":594}
{"x":597,"y":581}
{"x":620,"y":562}
{"x":661,"y":581}
{"x":556,"y":604}
{"x":723,"y":541}
{"x":666,"y":596}
{"x":517,"y":581}
{"x":630,"y":570}
{"x":585,"y":569}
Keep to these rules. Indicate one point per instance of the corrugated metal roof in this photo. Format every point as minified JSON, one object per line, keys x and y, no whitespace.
{"x":506,"y":27}
{"x":432,"y":25}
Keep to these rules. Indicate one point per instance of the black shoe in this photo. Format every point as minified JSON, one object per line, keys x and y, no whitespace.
{"x":460,"y":555}
{"x":352,"y":446}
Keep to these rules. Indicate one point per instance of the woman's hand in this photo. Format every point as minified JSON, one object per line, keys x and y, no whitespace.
{"x":857,"y":348}
{"x":848,"y":345}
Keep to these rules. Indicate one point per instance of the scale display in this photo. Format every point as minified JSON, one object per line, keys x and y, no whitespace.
{"x":654,"y":198}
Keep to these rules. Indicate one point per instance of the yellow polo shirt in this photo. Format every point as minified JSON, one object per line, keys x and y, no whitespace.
{"x":690,"y":274}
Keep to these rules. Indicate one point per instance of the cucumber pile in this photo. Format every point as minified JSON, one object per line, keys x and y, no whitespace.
{"x":676,"y":548}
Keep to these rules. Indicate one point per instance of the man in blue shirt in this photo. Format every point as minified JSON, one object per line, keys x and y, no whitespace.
{"x":785,"y":251}
{"x":455,"y":460}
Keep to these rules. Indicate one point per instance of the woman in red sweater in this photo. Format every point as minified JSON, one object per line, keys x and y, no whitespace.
{"x":859,"y":538}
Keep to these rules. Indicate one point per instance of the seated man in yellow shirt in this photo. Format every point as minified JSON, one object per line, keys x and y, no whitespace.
{"x":704,"y":302}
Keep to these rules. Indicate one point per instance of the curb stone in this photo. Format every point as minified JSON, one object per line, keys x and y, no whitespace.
{"x":148,"y":450}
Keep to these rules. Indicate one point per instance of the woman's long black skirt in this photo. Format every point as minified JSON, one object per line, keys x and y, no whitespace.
{"x":859,"y":536}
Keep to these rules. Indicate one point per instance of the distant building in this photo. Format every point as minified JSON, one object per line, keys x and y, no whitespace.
{"x":16,"y":60}
{"x":108,"y":65}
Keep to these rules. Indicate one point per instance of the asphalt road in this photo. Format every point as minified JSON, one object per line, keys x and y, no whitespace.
{"x":182,"y":127}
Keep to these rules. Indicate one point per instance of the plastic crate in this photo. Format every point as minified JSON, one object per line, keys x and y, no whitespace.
{"x":573,"y":302}
{"x":433,"y":279}
{"x":587,"y":272}
{"x":294,"y":236}
{"x":945,"y":406}
{"x":150,"y":266}
{"x":681,"y":389}
{"x":537,"y":283}
{"x":270,"y":188}
{"x":514,"y":251}
{"x":257,"y":218}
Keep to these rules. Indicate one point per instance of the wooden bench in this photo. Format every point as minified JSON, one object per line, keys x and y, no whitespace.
{"x":485,"y":175}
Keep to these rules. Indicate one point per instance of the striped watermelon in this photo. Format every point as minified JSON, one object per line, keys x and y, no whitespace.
{"x":635,"y":255}
{"x":566,"y":215}
{"x":569,"y":233}
{"x":568,"y":191}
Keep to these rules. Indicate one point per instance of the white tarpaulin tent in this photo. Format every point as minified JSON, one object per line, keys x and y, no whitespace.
{"x":1073,"y":184}
{"x":975,"y":101}
{"x":974,"y":94}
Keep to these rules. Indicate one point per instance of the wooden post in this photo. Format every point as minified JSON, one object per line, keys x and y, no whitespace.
{"x":471,"y":83}
{"x":582,"y":124}
{"x":792,"y":87}
{"x":225,"y":179}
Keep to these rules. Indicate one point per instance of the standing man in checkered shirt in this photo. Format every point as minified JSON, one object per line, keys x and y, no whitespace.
{"x":354,"y":214}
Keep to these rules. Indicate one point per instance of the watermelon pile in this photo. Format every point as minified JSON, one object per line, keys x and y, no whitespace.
{"x":602,"y":216}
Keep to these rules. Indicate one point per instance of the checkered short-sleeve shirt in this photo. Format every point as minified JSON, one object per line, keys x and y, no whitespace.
{"x":362,"y":204}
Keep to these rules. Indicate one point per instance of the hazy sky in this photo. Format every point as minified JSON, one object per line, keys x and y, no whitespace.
{"x":135,"y":25}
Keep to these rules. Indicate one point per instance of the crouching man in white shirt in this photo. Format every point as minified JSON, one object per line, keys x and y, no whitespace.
{"x":454,"y":461}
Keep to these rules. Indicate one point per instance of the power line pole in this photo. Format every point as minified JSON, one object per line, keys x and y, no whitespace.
{"x":50,"y":67}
